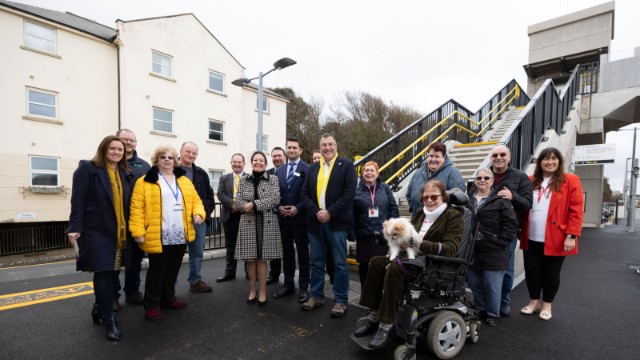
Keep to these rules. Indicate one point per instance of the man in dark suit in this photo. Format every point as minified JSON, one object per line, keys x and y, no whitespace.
{"x":230,"y":215}
{"x":293,"y":222}
{"x":275,"y":266}
{"x":327,"y":194}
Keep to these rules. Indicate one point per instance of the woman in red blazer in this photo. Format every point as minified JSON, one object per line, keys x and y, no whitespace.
{"x":551,"y":231}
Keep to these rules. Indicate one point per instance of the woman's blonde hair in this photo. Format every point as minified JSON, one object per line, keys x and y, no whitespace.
{"x":161,"y":150}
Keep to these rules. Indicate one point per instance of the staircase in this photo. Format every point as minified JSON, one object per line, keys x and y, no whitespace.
{"x":468,"y":157}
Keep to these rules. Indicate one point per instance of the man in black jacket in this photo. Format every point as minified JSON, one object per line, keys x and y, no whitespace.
{"x":133,"y":254}
{"x":200,"y":180}
{"x":513,"y":185}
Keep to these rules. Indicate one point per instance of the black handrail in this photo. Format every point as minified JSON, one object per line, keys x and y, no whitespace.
{"x":387,"y":150}
{"x":548,"y":109}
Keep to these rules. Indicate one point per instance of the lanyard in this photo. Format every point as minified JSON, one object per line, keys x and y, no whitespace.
{"x":372,"y":194}
{"x":542,"y":190}
{"x":175,"y":193}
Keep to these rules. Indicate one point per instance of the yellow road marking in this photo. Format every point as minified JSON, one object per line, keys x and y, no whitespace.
{"x":49,"y":263}
{"x":33,"y":297}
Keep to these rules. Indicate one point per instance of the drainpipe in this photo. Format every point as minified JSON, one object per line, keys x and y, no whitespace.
{"x":118,"y":43}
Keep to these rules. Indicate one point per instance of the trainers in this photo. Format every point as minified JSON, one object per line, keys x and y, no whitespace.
{"x":338,"y":310}
{"x":491,"y":321}
{"x":152,"y":314}
{"x":312,"y":304}
{"x":505,"y":310}
{"x":135,"y":299}
{"x":200,"y":286}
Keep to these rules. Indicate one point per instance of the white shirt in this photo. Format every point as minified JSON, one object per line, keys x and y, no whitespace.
{"x":539,"y":211}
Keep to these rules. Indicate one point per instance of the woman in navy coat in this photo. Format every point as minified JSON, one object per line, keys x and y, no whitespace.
{"x":98,"y":223}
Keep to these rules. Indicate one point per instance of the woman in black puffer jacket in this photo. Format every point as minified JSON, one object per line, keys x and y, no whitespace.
{"x":496,"y":220}
{"x":373,"y":204}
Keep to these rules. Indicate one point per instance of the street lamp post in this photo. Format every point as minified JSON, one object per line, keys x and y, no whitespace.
{"x":278,"y":65}
{"x":632,"y":186}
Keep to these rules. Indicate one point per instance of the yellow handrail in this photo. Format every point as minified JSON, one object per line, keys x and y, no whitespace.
{"x":511,"y":96}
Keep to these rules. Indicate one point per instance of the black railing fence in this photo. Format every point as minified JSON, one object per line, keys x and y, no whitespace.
{"x":390,"y":148}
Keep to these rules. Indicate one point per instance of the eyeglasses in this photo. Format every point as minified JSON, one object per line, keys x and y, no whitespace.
{"x":495,"y":156}
{"x":164,"y":157}
{"x":485,"y":178}
{"x":430,"y":197}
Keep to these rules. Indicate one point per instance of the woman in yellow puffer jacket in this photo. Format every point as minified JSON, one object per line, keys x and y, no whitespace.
{"x":164,"y":207}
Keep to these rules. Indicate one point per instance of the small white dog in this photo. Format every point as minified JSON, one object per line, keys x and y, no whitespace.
{"x":401,"y":235}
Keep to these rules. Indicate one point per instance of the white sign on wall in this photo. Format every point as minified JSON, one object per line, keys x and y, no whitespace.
{"x":595,"y":154}
{"x":27,"y":215}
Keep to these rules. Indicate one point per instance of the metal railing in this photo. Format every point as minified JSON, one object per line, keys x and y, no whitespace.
{"x":548,"y":109}
{"x":405,"y":151}
{"x":30,"y":238}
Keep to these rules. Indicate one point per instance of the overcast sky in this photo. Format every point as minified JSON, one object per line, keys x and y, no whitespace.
{"x":412,"y":53}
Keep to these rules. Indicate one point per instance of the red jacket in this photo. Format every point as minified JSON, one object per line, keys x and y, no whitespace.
{"x":566,"y":212}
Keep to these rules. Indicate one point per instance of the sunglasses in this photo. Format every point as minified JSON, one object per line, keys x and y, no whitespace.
{"x":430,"y":197}
{"x":165,"y":157}
{"x":495,"y":156}
{"x":485,"y":178}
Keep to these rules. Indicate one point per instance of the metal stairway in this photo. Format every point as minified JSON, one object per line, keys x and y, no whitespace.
{"x":468,"y":157}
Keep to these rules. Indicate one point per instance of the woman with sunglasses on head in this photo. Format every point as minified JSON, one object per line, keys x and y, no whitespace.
{"x":164,"y":207}
{"x":441,"y":228}
{"x":496,"y":227}
{"x":551,"y":231}
{"x":97,"y":224}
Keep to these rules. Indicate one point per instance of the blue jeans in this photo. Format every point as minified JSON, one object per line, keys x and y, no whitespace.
{"x":336,"y":241}
{"x":486,"y":286}
{"x":196,"y":250}
{"x":507,"y":282}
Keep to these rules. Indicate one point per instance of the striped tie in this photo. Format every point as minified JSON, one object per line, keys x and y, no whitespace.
{"x":290,"y":176}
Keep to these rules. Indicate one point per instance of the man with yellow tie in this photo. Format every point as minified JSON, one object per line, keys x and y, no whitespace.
{"x":230,"y":217}
{"x":327,"y":194}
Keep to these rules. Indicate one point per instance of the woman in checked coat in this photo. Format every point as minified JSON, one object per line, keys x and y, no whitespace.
{"x":258,"y":234}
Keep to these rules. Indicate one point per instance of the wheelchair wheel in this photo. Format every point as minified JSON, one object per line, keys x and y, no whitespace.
{"x":446,"y":335}
{"x":473,"y":332}
{"x":401,"y":353}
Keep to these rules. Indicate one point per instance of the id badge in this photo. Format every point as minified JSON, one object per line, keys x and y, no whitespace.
{"x":177,"y":207}
{"x":373,"y":212}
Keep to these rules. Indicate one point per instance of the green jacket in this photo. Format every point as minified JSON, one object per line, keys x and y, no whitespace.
{"x":447,"y":229}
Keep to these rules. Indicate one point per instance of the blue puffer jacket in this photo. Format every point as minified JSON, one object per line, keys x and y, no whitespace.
{"x":384,"y":200}
{"x":448,"y":174}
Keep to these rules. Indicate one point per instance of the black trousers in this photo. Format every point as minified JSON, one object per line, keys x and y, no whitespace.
{"x":160,"y":286}
{"x":103,"y":289}
{"x":230,"y":238}
{"x":542,"y":272}
{"x":290,"y":234}
{"x":132,"y":272}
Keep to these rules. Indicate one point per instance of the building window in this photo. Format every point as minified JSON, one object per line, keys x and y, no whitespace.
{"x":42,"y":103}
{"x":265,"y":143}
{"x":265,"y":104}
{"x":216,"y":81}
{"x":216,"y":130}
{"x":161,"y":64}
{"x":44,"y":171}
{"x":214,"y":178}
{"x":39,"y":37}
{"x":162,"y":120}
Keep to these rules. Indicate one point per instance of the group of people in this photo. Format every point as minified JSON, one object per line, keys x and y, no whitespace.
{"x":122,"y":208}
{"x":544,"y":211}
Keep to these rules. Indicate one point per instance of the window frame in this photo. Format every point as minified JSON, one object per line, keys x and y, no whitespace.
{"x":265,"y":104}
{"x":154,"y":119}
{"x":33,"y":171}
{"x":221,"y":75}
{"x":265,"y":142}
{"x":221,"y":132}
{"x":215,"y":183}
{"x":40,"y":25}
{"x":43,"y":92}
{"x":153,"y":63}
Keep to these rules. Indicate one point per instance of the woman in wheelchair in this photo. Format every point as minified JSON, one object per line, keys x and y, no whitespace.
{"x":441,"y":228}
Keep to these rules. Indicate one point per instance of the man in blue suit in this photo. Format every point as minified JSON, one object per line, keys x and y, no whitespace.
{"x":327,"y":194}
{"x":293,"y":222}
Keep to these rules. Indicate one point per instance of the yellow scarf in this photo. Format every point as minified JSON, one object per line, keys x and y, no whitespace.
{"x":118,"y":206}
{"x":321,"y":187}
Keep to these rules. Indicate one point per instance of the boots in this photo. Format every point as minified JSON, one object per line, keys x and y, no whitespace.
{"x":95,"y":314}
{"x":111,"y":328}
